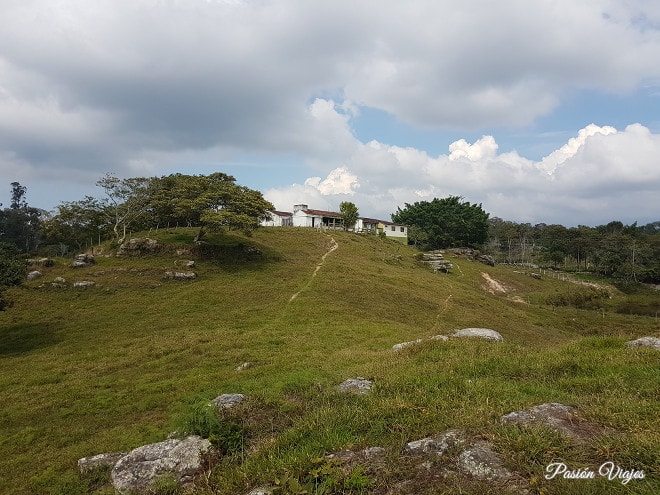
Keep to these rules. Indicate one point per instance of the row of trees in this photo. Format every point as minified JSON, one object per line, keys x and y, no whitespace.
{"x":209,"y":202}
{"x":628,"y":252}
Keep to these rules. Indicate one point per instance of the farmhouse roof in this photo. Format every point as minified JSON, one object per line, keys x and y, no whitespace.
{"x":322,"y":213}
{"x":282,"y":213}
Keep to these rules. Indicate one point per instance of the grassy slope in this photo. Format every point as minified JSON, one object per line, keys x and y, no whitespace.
{"x":108,"y":368}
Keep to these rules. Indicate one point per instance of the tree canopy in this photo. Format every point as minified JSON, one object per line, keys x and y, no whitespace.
{"x":349,"y":214}
{"x":447,"y":222}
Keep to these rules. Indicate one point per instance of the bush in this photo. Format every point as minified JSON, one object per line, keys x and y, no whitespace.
{"x":225,"y":431}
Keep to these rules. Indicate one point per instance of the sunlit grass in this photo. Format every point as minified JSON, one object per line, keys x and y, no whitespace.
{"x":111,"y":368}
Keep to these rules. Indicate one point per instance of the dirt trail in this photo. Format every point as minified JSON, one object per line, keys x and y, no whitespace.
{"x":333,"y":246}
{"x":493,"y":285}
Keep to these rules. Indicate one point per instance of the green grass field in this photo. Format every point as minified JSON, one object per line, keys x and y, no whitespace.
{"x":122,"y":364}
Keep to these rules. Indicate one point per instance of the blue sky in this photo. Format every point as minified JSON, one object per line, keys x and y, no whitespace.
{"x":550,"y":114}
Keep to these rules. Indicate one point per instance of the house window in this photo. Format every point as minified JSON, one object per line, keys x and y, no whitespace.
{"x":403,"y":229}
{"x":393,"y":228}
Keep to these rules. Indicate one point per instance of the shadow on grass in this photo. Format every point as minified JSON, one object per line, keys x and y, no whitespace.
{"x":26,"y":337}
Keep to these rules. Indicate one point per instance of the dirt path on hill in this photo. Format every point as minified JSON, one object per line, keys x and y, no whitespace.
{"x":493,"y":286}
{"x":333,"y":246}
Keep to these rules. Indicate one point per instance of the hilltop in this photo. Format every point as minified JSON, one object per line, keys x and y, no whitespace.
{"x":125,"y":361}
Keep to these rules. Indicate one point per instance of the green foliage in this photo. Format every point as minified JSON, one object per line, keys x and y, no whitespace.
{"x":125,"y":202}
{"x":581,"y":297}
{"x":349,"y":214}
{"x":77,"y":223}
{"x":165,"y":484}
{"x":12,"y":270}
{"x":214,"y":201}
{"x":446,"y":222}
{"x":225,"y":431}
{"x":322,"y":476}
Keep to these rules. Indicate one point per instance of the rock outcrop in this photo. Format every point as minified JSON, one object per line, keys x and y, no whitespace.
{"x":82,"y":260}
{"x":653,"y":342}
{"x":356,"y":385}
{"x":180,"y":275}
{"x":138,"y":469}
{"x":138,"y":246}
{"x":228,"y":401}
{"x":484,"y":333}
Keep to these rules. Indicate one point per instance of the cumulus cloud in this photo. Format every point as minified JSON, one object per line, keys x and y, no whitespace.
{"x":151,"y":86}
{"x":604,"y":174}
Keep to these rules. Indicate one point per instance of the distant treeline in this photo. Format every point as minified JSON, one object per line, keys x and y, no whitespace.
{"x":626,"y":252}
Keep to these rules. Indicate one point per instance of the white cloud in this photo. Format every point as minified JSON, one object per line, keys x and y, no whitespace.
{"x":144,"y":86}
{"x":604,"y":175}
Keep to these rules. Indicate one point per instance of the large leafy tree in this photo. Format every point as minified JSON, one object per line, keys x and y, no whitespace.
{"x":446,"y":222}
{"x":349,"y":214}
{"x":77,"y":222}
{"x":213,"y":202}
{"x":126,"y":201}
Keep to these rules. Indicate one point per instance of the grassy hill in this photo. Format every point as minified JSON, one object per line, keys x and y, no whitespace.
{"x":123,"y":363}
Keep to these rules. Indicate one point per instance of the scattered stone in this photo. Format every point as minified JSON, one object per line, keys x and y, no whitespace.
{"x":653,"y":342}
{"x":138,"y":246}
{"x":180,"y":275}
{"x":480,"y":461}
{"x":244,"y":366}
{"x":484,"y":333}
{"x":437,"y":444}
{"x":227,"y":401}
{"x":435,"y":259}
{"x":439,"y":337}
{"x":101,"y":460}
{"x":185,"y":263}
{"x":59,"y":280}
{"x":486,"y":259}
{"x":263,"y":490}
{"x":84,"y":284}
{"x":559,"y":417}
{"x":537,"y":276}
{"x":34,"y":275}
{"x":140,"y":467}
{"x":403,"y":345}
{"x":348,"y":456}
{"x":252,"y":250}
{"x":356,"y":385}
{"x":83,"y":260}
{"x":183,"y":252}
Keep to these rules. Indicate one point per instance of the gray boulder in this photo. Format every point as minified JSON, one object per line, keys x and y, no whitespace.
{"x":34,"y":275}
{"x":228,"y":401}
{"x":101,"y":460}
{"x":138,"y":246}
{"x":403,"y":345}
{"x":483,"y":463}
{"x":180,"y":275}
{"x":84,"y":284}
{"x":484,"y":333}
{"x":83,"y":260}
{"x":437,"y":444}
{"x":653,"y":342}
{"x":559,"y":417}
{"x":356,"y":385}
{"x":139,"y":468}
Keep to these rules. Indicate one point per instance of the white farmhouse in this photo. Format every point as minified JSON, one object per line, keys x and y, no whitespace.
{"x":303,"y":216}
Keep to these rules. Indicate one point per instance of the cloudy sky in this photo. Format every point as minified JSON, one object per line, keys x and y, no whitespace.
{"x":540,"y":110}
